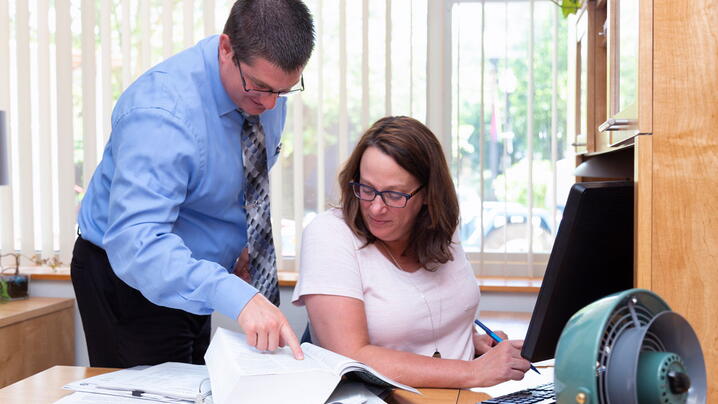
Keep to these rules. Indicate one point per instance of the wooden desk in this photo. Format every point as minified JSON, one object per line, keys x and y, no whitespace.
{"x":46,"y":387}
{"x":437,"y":396}
{"x":35,"y":334}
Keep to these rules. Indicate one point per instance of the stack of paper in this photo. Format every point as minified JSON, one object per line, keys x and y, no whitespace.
{"x":169,"y":382}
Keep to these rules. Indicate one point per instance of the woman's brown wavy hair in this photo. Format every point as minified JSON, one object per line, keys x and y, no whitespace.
{"x":415,"y":148}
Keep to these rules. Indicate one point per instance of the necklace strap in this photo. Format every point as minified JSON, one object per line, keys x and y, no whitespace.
{"x":426,"y":302}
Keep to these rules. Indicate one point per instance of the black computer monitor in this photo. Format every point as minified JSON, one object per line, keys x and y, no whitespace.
{"x":592,"y":257}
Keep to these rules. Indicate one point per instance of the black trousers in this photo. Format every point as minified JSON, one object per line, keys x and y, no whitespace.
{"x":123,"y":328}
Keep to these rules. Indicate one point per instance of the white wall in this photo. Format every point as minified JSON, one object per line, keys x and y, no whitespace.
{"x":297,"y":316}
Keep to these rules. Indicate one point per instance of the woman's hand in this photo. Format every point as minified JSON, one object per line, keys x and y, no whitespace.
{"x":483,"y":343}
{"x":501,"y":363}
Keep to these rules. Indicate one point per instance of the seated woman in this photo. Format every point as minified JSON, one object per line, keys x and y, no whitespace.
{"x":383,"y":280}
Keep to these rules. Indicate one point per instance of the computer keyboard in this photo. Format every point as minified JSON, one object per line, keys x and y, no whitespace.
{"x":542,"y":394}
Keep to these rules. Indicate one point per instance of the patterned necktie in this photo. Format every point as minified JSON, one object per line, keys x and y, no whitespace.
{"x":262,"y":260}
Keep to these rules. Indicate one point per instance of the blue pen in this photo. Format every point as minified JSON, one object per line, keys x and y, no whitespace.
{"x":496,"y":338}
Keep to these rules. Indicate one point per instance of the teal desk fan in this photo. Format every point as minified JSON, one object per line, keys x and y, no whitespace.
{"x":627,"y":348}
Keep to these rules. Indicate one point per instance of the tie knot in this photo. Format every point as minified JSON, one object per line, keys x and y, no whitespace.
{"x":252,"y":119}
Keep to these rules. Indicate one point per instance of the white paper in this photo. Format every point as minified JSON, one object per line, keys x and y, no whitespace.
{"x":531,"y":379}
{"x":239,"y":373}
{"x":90,"y":398}
{"x":329,"y":360}
{"x":253,"y":362}
{"x":118,"y":376}
{"x":167,"y":382}
{"x":170,"y":378}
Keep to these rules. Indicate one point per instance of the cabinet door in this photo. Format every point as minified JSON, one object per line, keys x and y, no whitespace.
{"x":623,"y":29}
{"x":582,"y":63}
{"x":590,"y":74}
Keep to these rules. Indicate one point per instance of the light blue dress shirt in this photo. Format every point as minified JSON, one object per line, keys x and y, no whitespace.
{"x":166,"y":201}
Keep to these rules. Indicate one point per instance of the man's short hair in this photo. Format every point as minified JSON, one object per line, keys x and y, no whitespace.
{"x":281,"y":31}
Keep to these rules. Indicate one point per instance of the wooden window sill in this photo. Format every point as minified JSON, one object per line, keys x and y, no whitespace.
{"x":289,"y":279}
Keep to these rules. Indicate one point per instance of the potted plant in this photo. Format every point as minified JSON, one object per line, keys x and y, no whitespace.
{"x":4,"y":295}
{"x":14,"y":286}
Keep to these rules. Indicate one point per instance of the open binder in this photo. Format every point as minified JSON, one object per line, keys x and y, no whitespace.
{"x":239,"y":374}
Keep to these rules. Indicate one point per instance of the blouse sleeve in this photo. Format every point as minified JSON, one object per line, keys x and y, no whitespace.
{"x":328,"y":263}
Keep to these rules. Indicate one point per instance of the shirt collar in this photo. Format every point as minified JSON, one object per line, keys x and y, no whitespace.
{"x":225,"y":104}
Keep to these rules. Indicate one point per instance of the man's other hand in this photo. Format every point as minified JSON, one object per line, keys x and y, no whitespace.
{"x":266,"y":327}
{"x":241,"y":266}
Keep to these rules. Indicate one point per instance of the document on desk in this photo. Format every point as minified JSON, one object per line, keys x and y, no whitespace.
{"x":241,"y":374}
{"x":530,"y":379}
{"x":168,"y":382}
{"x":92,"y":398}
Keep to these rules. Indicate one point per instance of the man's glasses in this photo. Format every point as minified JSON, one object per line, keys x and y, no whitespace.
{"x":394,"y":199}
{"x":259,"y":92}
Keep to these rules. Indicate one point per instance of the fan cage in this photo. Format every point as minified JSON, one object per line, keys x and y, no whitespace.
{"x":628,"y":314}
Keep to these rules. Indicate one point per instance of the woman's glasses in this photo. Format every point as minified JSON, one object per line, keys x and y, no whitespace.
{"x":394,"y":199}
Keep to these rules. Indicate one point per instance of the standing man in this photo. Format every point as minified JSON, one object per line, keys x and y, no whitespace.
{"x":182,"y":192}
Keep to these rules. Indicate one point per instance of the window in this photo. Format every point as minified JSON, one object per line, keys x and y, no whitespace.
{"x":69,"y":60}
{"x":501,"y":75}
{"x":62,"y":66}
{"x":509,"y":151}
{"x":369,"y":62}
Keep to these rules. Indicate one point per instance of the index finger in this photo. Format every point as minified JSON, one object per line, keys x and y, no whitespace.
{"x":291,"y":339}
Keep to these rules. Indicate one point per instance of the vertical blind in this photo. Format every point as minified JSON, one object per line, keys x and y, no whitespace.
{"x":488,"y":76}
{"x":510,"y":156}
{"x":352,"y":80}
{"x":63,"y":64}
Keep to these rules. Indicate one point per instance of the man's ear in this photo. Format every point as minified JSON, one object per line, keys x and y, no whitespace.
{"x":226,"y":53}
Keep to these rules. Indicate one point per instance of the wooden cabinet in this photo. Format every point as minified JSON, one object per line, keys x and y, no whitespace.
{"x":677,"y":191}
{"x":35,"y":334}
{"x":609,"y":47}
{"x":674,"y":158}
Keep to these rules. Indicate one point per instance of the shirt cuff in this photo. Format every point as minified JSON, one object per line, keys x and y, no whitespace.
{"x":231,"y":295}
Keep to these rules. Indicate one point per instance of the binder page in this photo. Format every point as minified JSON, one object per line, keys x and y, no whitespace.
{"x":251,"y":362}
{"x":166,"y":382}
{"x":172,"y":379}
{"x":342,"y":365}
{"x":332,"y":360}
{"x":90,"y":384}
